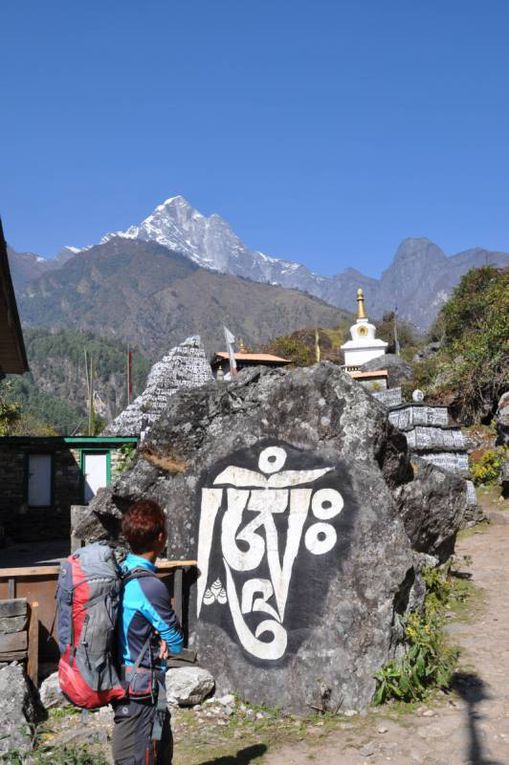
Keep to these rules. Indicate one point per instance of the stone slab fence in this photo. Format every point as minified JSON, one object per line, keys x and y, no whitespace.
{"x":19,"y":634}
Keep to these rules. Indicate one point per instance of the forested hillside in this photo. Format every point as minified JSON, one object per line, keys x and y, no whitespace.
{"x":470,"y":369}
{"x":144,"y":293}
{"x":53,"y":395}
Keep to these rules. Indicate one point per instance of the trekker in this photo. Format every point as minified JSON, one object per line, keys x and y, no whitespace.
{"x":147,"y":630}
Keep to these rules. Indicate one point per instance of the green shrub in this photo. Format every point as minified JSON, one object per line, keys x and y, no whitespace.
{"x":428,"y":661}
{"x":471,"y":369}
{"x":127,"y":452}
{"x":486,"y":467}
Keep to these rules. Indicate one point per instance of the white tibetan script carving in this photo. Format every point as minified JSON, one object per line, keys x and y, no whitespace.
{"x":251,"y":543}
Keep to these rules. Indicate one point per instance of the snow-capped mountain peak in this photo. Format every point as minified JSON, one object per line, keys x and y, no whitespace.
{"x":207,"y":241}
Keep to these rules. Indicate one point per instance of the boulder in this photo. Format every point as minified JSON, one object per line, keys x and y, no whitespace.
{"x":187,"y":686}
{"x":18,"y":711}
{"x":502,"y":419}
{"x":432,"y":507}
{"x":428,"y":351}
{"x":292,"y":490}
{"x":50,"y":693}
{"x":399,"y":371}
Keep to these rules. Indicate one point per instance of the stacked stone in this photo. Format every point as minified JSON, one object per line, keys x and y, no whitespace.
{"x":502,"y":423}
{"x":13,"y":630}
{"x":185,"y":366}
{"x":430,"y":435}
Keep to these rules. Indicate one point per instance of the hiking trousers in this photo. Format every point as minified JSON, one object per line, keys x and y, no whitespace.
{"x":132,"y":742}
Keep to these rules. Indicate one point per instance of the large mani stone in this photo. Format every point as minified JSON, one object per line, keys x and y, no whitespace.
{"x":287,"y":486}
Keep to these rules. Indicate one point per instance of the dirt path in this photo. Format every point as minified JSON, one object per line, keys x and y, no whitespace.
{"x":470,"y":726}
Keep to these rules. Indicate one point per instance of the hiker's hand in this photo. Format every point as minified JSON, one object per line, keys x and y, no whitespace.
{"x":163,"y":650}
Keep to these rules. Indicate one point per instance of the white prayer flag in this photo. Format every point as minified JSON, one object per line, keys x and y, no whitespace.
{"x":230,"y":339}
{"x":228,"y":336}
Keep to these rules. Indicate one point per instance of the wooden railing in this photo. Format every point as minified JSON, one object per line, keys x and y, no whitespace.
{"x":37,"y":586}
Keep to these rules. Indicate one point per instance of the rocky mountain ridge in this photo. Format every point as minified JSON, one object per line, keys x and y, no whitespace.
{"x":419,"y":279}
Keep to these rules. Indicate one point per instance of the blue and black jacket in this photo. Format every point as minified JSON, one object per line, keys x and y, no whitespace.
{"x":145,"y":607}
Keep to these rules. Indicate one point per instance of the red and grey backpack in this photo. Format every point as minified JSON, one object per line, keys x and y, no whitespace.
{"x":88,"y":594}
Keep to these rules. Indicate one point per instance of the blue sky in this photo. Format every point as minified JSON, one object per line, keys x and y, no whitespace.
{"x":324,"y":131}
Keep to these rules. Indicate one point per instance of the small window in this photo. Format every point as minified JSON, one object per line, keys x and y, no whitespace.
{"x":39,"y":480}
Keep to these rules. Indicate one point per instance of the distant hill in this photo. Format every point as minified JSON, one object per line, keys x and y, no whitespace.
{"x":144,"y":293}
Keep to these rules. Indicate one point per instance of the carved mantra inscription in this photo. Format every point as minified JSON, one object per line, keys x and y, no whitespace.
{"x":262,"y":521}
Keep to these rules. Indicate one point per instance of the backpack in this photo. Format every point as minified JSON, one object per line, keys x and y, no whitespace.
{"x":88,"y":595}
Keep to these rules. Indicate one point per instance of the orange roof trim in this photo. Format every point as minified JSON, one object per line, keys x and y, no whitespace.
{"x":367,"y":375}
{"x":253,"y":357}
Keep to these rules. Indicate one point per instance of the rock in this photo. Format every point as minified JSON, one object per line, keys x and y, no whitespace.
{"x":502,"y":419}
{"x":227,"y":700}
{"x":432,"y":507}
{"x":187,"y":686}
{"x":18,"y":710}
{"x":297,"y":497}
{"x":399,"y":371}
{"x":474,"y":513}
{"x":504,"y":479}
{"x":50,"y":693}
{"x":185,"y":366}
{"x":428,"y":351}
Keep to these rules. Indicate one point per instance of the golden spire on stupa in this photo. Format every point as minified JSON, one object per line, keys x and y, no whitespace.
{"x":361,"y":311}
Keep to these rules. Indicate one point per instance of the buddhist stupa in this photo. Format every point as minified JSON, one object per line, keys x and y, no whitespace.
{"x":364,"y":344}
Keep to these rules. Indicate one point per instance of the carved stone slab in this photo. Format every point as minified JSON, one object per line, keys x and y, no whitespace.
{"x":454,"y":462}
{"x":435,"y":439}
{"x":390,"y":397}
{"x":185,"y":366}
{"x":411,"y":416}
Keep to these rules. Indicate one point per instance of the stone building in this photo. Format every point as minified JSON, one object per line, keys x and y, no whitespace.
{"x":41,"y":477}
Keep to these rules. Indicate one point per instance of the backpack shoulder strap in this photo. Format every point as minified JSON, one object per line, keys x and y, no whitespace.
{"x":137,"y":573}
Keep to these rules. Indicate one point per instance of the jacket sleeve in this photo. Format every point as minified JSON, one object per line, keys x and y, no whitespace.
{"x":156,"y":608}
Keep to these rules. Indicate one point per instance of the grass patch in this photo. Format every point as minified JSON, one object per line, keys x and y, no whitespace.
{"x":66,"y":755}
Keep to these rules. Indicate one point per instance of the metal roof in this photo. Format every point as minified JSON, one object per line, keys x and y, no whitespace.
{"x":13,"y":359}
